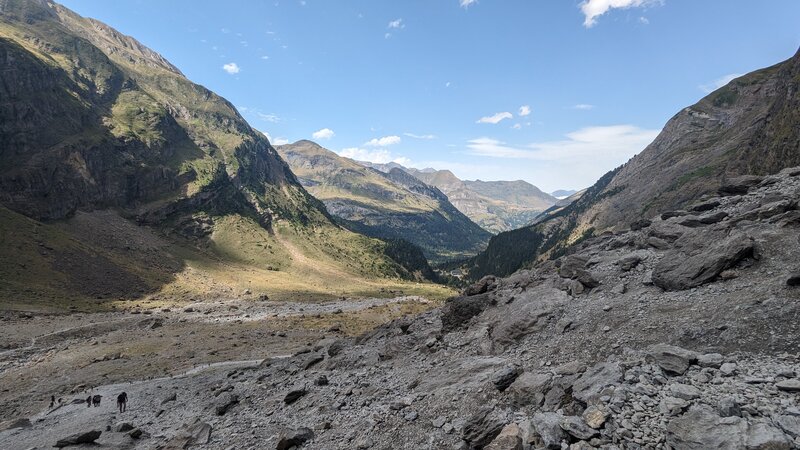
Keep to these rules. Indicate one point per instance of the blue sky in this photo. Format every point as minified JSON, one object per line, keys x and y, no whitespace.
{"x":555,"y":92}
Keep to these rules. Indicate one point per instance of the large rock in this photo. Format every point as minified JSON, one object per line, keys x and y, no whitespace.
{"x":485,"y":284}
{"x":789,"y":424}
{"x":15,"y":423}
{"x":577,"y":428}
{"x":590,"y":386}
{"x":763,"y":436}
{"x":458,"y":311}
{"x":503,"y":378}
{"x":483,"y":427}
{"x":547,"y":431}
{"x":225,"y":402}
{"x":699,"y":258}
{"x":189,"y":435}
{"x":530,"y":389}
{"x":510,"y":438}
{"x":294,"y":395}
{"x":790,"y":385}
{"x":87,"y":437}
{"x":702,"y":429}
{"x":294,"y":438}
{"x":671,"y":359}
{"x":740,"y":185}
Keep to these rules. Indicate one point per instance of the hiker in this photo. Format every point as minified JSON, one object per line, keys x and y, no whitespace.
{"x":122,"y":402}
{"x":52,"y":400}
{"x":89,"y":401}
{"x":96,"y":400}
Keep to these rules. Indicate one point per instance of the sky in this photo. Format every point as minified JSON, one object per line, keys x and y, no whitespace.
{"x":553,"y":92}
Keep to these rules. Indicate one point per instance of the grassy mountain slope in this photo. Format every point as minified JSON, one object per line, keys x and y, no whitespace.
{"x":495,"y":205}
{"x":91,"y":119}
{"x":750,"y":126}
{"x":386,"y":205}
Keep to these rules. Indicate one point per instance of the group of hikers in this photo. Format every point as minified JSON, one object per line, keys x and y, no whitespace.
{"x":122,"y":401}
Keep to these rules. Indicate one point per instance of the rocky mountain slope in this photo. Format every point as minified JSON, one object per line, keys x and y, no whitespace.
{"x":679,"y":333}
{"x":91,"y":120}
{"x":386,"y":205}
{"x":749,"y":126}
{"x":495,"y":205}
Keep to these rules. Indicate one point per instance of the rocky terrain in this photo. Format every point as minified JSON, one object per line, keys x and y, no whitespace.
{"x":747,"y":127}
{"x":679,"y":333}
{"x":387,"y":205}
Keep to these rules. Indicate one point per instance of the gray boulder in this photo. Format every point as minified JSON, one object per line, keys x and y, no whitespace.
{"x":577,"y":428}
{"x":482,"y":427}
{"x":763,"y":436}
{"x":225,"y":402}
{"x":702,"y":429}
{"x":699,"y":259}
{"x":530,"y":389}
{"x":87,"y":437}
{"x":595,"y":380}
{"x":294,"y":438}
{"x":503,"y":378}
{"x":547,"y":431}
{"x":510,"y":438}
{"x":790,"y":385}
{"x":671,"y":359}
{"x":789,"y":424}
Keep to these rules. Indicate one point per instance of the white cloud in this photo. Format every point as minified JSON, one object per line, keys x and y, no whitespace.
{"x":516,"y":126}
{"x":420,"y":136}
{"x":325,"y":133}
{"x":466,"y":3}
{"x":496,"y":118}
{"x":396,"y":24}
{"x":447,"y":85}
{"x":387,"y":35}
{"x":280,"y":141}
{"x":644,"y":20}
{"x":578,"y":160}
{"x":592,"y":9}
{"x":265,"y":57}
{"x":232,"y":68}
{"x":524,"y":110}
{"x":719,"y":82}
{"x":272,"y":118}
{"x":378,"y":156}
{"x":383,"y":142}
{"x":583,"y":106}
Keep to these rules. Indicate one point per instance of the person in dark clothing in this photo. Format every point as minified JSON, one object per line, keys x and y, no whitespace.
{"x":52,"y":401}
{"x":122,"y":402}
{"x":89,"y":401}
{"x":96,"y":400}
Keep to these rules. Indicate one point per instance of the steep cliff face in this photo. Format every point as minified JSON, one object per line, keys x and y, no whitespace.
{"x":386,"y":205}
{"x":92,"y":119}
{"x":750,"y":126}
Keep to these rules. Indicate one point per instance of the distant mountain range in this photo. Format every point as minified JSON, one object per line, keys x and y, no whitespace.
{"x":563,"y":193}
{"x":496,"y":206}
{"x":387,"y":203}
{"x":749,"y":126}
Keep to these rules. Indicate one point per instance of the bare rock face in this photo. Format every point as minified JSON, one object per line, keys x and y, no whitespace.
{"x":698,"y":258}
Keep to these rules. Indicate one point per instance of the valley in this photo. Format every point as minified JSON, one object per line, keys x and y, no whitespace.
{"x":171,"y":280}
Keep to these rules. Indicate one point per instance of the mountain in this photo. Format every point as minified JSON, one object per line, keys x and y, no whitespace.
{"x":386,"y":205}
{"x":563,"y":193}
{"x":94,"y":123}
{"x":750,"y":126}
{"x":494,"y":205}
